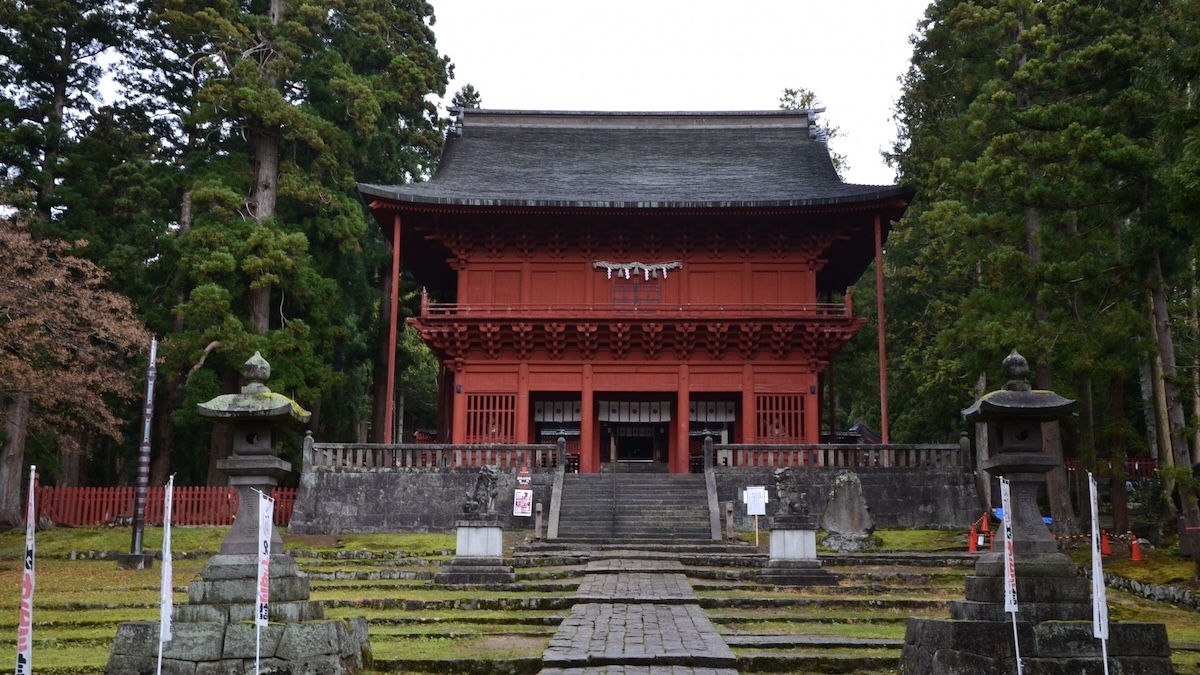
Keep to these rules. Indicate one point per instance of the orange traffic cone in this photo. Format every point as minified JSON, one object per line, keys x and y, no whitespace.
{"x":1105,"y":547}
{"x":985,"y":522}
{"x":991,"y":542}
{"x":972,"y":544}
{"x":1135,"y":552}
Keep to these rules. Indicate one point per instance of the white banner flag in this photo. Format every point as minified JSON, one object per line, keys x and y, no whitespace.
{"x":1099,"y":596}
{"x":168,"y":587}
{"x":1010,"y":566}
{"x":25,"y":626}
{"x":266,"y":513}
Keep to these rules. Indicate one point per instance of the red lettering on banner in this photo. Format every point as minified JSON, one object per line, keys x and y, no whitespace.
{"x":26,"y":620}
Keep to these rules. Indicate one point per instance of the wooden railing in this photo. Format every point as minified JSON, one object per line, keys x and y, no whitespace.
{"x":729,"y":311}
{"x":86,"y":506}
{"x":838,"y":456}
{"x":1134,"y":468}
{"x":429,"y":456}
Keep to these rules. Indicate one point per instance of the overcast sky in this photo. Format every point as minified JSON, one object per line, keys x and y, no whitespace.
{"x":690,"y":55}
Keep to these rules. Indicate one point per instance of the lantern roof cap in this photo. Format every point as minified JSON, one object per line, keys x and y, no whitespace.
{"x":255,"y":401}
{"x":1017,"y":399}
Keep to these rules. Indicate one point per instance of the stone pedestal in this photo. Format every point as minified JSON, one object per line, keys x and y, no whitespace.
{"x":947,"y":647}
{"x":478,"y":556}
{"x":214,"y":631}
{"x":794,"y":554}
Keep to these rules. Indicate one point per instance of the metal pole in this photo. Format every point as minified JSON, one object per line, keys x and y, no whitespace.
{"x":143,"y":473}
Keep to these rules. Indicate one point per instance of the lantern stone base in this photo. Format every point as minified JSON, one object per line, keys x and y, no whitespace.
{"x":478,"y":555}
{"x":135,"y":561}
{"x":950,"y":647}
{"x":213,"y":633}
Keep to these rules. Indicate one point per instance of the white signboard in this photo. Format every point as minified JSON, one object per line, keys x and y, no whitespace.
{"x":756,"y":501}
{"x":522,"y":502}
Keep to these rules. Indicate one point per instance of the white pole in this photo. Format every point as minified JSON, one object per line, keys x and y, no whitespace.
{"x":1010,"y":568}
{"x":167,"y":598}
{"x":25,"y":623}
{"x":266,"y":513}
{"x":1099,"y":596}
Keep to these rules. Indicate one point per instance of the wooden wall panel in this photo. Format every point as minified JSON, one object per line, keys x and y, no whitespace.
{"x":552,"y":381}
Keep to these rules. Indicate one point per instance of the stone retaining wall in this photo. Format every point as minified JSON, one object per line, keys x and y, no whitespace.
{"x":918,"y":498}
{"x":401,"y":500}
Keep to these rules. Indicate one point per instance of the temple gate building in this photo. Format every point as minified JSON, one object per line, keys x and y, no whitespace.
{"x":634,"y":281}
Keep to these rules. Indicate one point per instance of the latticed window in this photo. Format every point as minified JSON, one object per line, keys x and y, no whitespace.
{"x":491,"y":418}
{"x":780,"y":418}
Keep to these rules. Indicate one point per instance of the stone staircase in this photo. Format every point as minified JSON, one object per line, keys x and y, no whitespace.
{"x":634,"y":507}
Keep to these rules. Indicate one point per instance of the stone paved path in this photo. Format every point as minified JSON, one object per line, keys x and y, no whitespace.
{"x":637,"y":617}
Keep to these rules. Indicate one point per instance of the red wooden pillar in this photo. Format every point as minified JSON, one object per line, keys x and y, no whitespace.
{"x":883,"y":395}
{"x":748,"y":408}
{"x":589,"y":446}
{"x":458,"y":428}
{"x":679,"y":449}
{"x":393,"y":325}
{"x":523,"y":403}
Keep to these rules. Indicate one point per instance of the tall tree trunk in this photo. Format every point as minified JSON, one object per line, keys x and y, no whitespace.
{"x":1116,"y":443}
{"x":983,"y":479}
{"x":168,"y":393}
{"x":1175,"y":414}
{"x":265,"y":190}
{"x":1194,"y":311}
{"x":220,"y":443}
{"x":1149,"y":406}
{"x":12,"y":463}
{"x":71,"y":446}
{"x":1162,"y":425}
{"x":1058,"y":489}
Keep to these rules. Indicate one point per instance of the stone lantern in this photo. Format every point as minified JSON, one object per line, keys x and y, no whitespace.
{"x":1054,"y":616}
{"x":255,"y":414}
{"x":1014,"y":416}
{"x":214,"y":631}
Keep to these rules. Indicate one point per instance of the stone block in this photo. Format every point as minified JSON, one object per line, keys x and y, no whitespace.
{"x":229,"y":591}
{"x":1064,"y":640}
{"x":241,"y":637}
{"x":245,"y":566}
{"x":1031,"y":589}
{"x":136,"y":638}
{"x":280,"y":612}
{"x":307,"y":639}
{"x":195,"y":642}
{"x":227,"y":667}
{"x":1030,"y":612}
{"x":789,"y":544}
{"x":797,"y":573}
{"x":356,"y":643}
{"x":201,"y":614}
{"x":123,"y":664}
{"x":479,"y":539}
{"x":475,"y":571}
{"x":135,"y":561}
{"x":953,"y":662}
{"x":1135,"y":638}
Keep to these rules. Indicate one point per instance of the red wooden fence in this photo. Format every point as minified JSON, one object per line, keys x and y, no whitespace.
{"x":83,"y":506}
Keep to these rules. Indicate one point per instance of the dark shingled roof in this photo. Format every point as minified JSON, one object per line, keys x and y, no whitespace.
{"x":634,"y":160}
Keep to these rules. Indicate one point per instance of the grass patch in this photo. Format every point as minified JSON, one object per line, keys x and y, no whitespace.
{"x":423,"y":648}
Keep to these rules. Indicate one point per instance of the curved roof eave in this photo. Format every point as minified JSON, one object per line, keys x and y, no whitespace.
{"x":411,"y":194}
